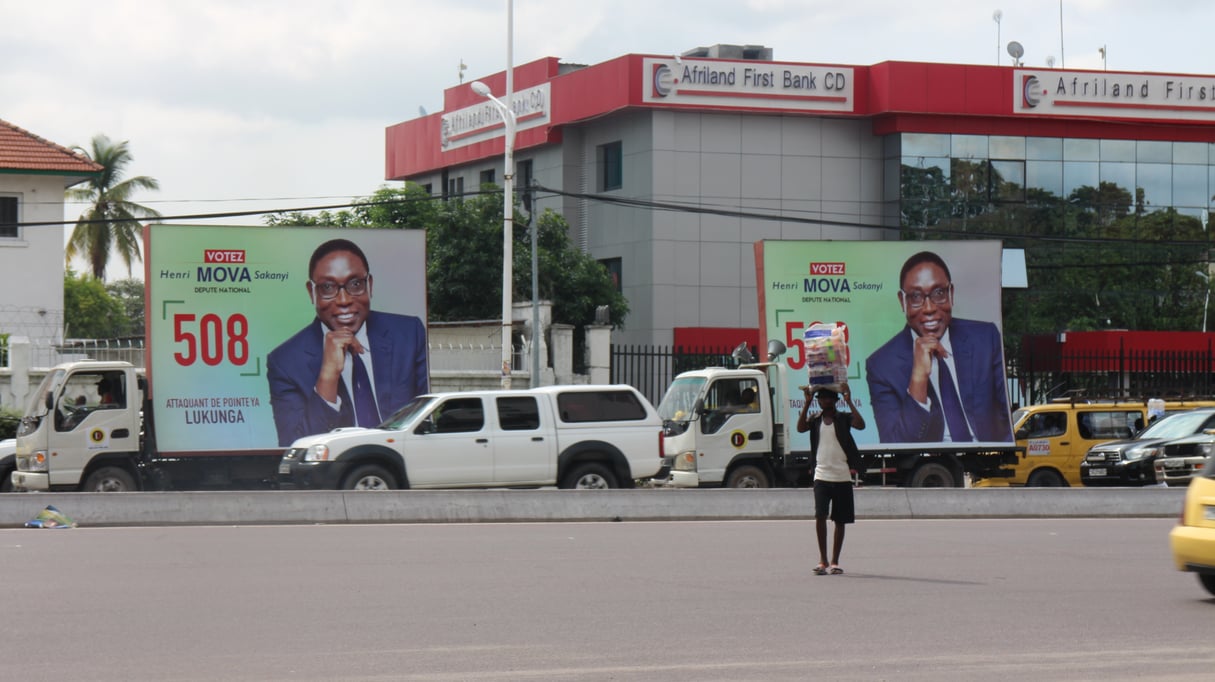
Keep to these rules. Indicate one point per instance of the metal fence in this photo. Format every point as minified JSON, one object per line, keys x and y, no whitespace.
{"x":1126,"y":374}
{"x":650,"y":369}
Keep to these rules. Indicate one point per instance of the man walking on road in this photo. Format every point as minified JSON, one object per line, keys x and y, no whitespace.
{"x":833,"y":457}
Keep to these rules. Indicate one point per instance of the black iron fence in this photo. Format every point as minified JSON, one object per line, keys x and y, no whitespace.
{"x":1033,"y":378}
{"x":650,"y":369}
{"x":1121,"y":373}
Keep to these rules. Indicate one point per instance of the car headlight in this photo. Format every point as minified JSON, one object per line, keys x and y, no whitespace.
{"x":685,"y":461}
{"x":36,"y":461}
{"x":1206,"y":449}
{"x":1141,"y":452}
{"x":317,"y":453}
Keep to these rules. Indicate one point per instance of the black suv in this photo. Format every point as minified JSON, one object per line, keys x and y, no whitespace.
{"x":1131,"y":462}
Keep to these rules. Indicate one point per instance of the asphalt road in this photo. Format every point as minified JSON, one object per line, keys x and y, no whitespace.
{"x":1042,"y":599}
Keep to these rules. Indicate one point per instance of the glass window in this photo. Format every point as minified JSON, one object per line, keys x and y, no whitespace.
{"x":1081,"y":150}
{"x":1077,"y":174}
{"x":518,"y":414}
{"x":8,"y":217}
{"x":1156,"y":180}
{"x":599,"y":406}
{"x":1190,"y":152}
{"x":968,"y":147}
{"x":1045,"y":175}
{"x":1190,"y":186}
{"x":1117,"y":150}
{"x":611,"y":170}
{"x":487,"y":177}
{"x":1002,"y":147}
{"x":1008,"y":180}
{"x":1120,"y":174}
{"x":923,"y":144}
{"x":459,"y":415}
{"x":1044,"y":148}
{"x":1153,"y":152}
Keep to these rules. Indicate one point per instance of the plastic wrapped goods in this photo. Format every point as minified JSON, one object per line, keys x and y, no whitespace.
{"x":826,"y":353}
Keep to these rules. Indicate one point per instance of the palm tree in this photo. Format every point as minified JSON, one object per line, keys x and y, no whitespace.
{"x":111,"y":222}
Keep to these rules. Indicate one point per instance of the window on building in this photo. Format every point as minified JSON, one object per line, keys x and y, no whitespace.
{"x":487,"y":177}
{"x":455,"y":187}
{"x":427,"y":188}
{"x":614,"y":267}
{"x":611,"y":166}
{"x":8,"y":218}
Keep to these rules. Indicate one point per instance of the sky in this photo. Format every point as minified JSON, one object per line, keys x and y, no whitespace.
{"x":250,"y":105}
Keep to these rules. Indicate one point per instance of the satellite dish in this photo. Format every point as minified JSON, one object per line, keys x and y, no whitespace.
{"x":1050,"y":61}
{"x":1015,"y":50}
{"x":421,"y":110}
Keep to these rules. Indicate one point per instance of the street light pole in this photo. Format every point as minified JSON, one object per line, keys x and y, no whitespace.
{"x":508,"y":188}
{"x":508,"y":222}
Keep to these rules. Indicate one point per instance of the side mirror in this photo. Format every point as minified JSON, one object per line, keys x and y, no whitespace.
{"x":698,"y":410}
{"x":1022,"y":433}
{"x":426,"y":426}
{"x":50,"y":401}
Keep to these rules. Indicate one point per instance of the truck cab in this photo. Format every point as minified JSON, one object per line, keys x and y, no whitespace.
{"x":81,"y":430}
{"x":719,"y":429}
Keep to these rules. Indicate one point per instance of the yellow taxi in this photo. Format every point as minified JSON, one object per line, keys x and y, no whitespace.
{"x":1193,"y":538}
{"x":1056,"y":436}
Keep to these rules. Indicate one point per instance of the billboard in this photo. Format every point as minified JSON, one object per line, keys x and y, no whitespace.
{"x":922,"y":325}
{"x":253,"y":331}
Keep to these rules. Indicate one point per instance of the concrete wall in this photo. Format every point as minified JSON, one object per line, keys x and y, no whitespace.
{"x":477,"y":506}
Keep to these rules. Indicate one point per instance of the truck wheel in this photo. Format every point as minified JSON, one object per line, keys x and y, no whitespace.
{"x":932,"y":475}
{"x":1045,"y":478}
{"x":589,"y":476}
{"x":110,"y":480}
{"x":747,"y":476}
{"x":369,"y":477}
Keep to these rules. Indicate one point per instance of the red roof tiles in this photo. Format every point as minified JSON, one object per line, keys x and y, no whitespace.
{"x":21,"y":150}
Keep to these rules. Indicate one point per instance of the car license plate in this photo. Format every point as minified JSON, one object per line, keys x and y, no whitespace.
{"x":1208,"y":513}
{"x":284,"y":467}
{"x":1096,"y":472}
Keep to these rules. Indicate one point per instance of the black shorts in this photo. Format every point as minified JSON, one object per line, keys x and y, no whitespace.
{"x":837,"y":497}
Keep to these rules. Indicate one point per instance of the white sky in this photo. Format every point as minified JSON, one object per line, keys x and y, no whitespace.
{"x":254,"y":104}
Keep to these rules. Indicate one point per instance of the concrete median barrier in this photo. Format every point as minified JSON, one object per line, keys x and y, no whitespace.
{"x":480,"y":506}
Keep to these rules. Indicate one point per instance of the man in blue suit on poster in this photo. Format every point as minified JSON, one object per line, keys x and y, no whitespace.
{"x":351,"y":366}
{"x":941,"y":378}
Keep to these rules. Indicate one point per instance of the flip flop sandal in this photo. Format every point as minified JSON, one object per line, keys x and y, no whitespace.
{"x":836,"y":570}
{"x":821,"y":569}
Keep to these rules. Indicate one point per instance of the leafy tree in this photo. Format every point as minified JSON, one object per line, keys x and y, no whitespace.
{"x":130,"y":294}
{"x":89,"y":312}
{"x":111,"y":222}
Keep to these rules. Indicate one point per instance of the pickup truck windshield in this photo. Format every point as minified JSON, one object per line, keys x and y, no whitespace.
{"x":403,"y":416}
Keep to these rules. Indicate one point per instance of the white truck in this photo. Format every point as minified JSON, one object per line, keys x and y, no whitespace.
{"x":715,"y":436}
{"x":84,"y":429}
{"x":582,"y":436}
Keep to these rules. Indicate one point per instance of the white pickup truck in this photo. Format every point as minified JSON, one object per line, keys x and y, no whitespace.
{"x":567,"y":436}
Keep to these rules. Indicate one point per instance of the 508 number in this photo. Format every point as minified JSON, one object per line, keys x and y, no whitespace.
{"x":211,"y":339}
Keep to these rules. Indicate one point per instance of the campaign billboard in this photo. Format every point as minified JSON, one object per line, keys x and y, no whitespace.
{"x":253,"y":332}
{"x":920,"y":326}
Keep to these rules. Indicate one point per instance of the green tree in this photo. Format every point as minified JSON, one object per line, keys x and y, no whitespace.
{"x":89,"y":312}
{"x":111,"y":222}
{"x":130,"y":294}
